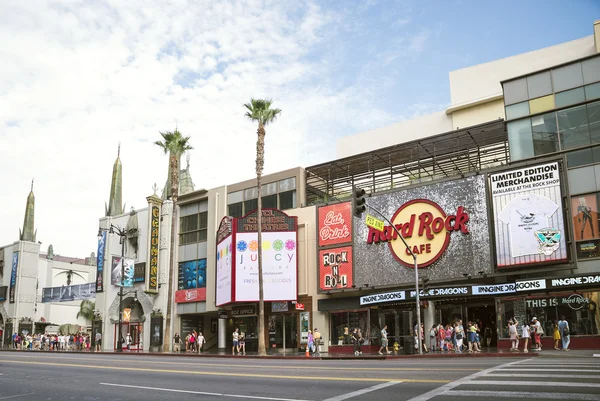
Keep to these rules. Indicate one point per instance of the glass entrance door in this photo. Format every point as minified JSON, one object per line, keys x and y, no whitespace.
{"x":283,"y":331}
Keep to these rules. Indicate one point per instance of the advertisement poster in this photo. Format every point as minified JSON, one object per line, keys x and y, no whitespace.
{"x":129,"y":270}
{"x":584,"y":210}
{"x":528,"y":217}
{"x":335,"y":224}
{"x":13,"y":278}
{"x":224,"y":271}
{"x":65,"y":293}
{"x":304,"y":327}
{"x":335,"y":268}
{"x":279,"y":266}
{"x":3,"y":293}
{"x":192,"y":274}
{"x":100,"y":262}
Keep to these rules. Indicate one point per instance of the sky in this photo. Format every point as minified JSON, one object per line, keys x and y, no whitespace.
{"x":79,"y":77}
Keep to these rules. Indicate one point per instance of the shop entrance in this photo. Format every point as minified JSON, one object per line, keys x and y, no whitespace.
{"x":283,"y":331}
{"x":135,"y":331}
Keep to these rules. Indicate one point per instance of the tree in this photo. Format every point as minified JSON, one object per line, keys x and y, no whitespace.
{"x":175,"y":145}
{"x":86,"y":310}
{"x":259,"y":110}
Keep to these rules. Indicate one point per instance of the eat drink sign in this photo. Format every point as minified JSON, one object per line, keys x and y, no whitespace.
{"x":335,"y":224}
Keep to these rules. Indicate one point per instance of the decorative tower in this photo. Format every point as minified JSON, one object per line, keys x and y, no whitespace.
{"x":115,"y":207}
{"x":29,"y":232}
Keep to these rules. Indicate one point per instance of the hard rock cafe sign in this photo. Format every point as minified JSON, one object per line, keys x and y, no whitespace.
{"x":427,"y":229}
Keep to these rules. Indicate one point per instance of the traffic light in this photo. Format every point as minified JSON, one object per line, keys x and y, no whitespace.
{"x":358,"y":201}
{"x":425,"y":284}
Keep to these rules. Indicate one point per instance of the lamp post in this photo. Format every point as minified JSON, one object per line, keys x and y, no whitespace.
{"x":122,"y":237}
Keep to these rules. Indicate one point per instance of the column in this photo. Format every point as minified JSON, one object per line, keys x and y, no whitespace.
{"x":222,"y":340}
{"x":429,"y":315}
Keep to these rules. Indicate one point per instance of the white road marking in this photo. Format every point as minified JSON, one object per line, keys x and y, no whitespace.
{"x":523,"y":395}
{"x":544,"y":375}
{"x":467,"y":379}
{"x":361,"y":392}
{"x":596,"y":355}
{"x":532,"y":383}
{"x":200,"y":392}
{"x":543,"y":370}
{"x":15,"y":396}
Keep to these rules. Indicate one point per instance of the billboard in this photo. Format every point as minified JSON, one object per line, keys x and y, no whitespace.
{"x":279,"y":266}
{"x":153,"y":245}
{"x":100,"y":262}
{"x":528,"y":217}
{"x":129,"y":270}
{"x":445,"y":224}
{"x":192,"y":274}
{"x":224,"y":276}
{"x":13,"y":278}
{"x":335,"y":224}
{"x":67,"y":293}
{"x":335,"y":268}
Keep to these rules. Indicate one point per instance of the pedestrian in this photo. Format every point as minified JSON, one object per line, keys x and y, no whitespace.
{"x":242,"y":344}
{"x":236,"y":338}
{"x":361,"y":341}
{"x":177,"y":343}
{"x":128,"y":341}
{"x":526,"y":335}
{"x":200,"y":342}
{"x":384,"y":341}
{"x":539,"y":332}
{"x":473,"y":345}
{"x":512,"y":331}
{"x":556,"y":336}
{"x":432,"y":338}
{"x":187,"y":343}
{"x":565,"y":333}
{"x":317,"y":337}
{"x":98,"y":341}
{"x":442,"y":337}
{"x":458,"y":335}
{"x":311,"y":341}
{"x":192,"y":342}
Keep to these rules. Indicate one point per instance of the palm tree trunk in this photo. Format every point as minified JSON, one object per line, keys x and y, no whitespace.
{"x":174,"y":167}
{"x":260,"y":161}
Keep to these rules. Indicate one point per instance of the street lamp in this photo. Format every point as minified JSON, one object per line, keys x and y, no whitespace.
{"x":122,"y":233}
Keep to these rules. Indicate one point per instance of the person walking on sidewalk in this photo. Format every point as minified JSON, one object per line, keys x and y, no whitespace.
{"x":556,"y":335}
{"x":317,"y":337}
{"x":236,"y":339}
{"x":176,"y":343}
{"x":442,"y":337}
{"x":98,"y":341}
{"x":384,"y":341}
{"x":311,"y":342}
{"x":526,"y":335}
{"x":565,"y":333}
{"x":200,"y":342}
{"x":539,"y":332}
{"x":242,"y":343}
{"x":514,"y":336}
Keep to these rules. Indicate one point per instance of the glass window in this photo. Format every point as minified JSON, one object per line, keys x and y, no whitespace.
{"x":592,"y":91}
{"x":541,"y":104}
{"x":579,"y":309}
{"x":269,"y":189}
{"x":342,"y":324}
{"x":234,"y":197}
{"x":596,"y":154}
{"x":567,"y":77}
{"x":193,"y":228}
{"x":203,"y":226}
{"x":520,"y":139}
{"x":287,"y":200}
{"x":515,"y":91}
{"x":188,"y":238}
{"x":251,"y":193}
{"x":517,"y":110}
{"x":570,"y":97}
{"x":579,"y":158}
{"x":287,"y":185}
{"x":584,"y":211}
{"x":188,"y":223}
{"x":539,"y":85}
{"x":545,"y":135}
{"x":236,"y":210}
{"x":250,"y":205}
{"x":269,"y":202}
{"x":573,"y":127}
{"x":591,"y":70}
{"x":593,"y":112}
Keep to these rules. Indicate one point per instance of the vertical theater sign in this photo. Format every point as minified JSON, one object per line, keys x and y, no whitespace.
{"x":335,"y":247}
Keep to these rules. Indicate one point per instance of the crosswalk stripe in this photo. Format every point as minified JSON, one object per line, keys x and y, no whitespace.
{"x":532,"y":383}
{"x":597,"y":376}
{"x":523,"y":395}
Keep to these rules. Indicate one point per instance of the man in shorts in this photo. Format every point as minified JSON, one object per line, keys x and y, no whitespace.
{"x":384,"y":341}
{"x":236,"y":338}
{"x":177,"y":343}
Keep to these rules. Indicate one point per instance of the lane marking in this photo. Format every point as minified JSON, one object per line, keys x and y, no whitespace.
{"x":361,"y":392}
{"x":544,"y":370}
{"x":264,"y":376}
{"x":274,"y":367}
{"x":523,"y":395}
{"x":533,"y":383}
{"x":254,"y":397}
{"x":15,"y":396}
{"x":542,"y":375}
{"x":467,"y":379}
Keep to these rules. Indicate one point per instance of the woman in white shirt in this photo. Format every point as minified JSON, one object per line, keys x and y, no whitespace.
{"x":526,"y":335}
{"x":514,"y":336}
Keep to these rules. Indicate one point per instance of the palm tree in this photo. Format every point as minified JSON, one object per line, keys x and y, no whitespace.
{"x":259,"y":110}
{"x":175,"y":145}
{"x":86,"y":310}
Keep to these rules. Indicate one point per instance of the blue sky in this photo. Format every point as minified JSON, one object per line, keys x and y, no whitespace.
{"x":81,"y":77}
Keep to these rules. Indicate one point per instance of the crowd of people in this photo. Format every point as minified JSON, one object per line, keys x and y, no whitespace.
{"x":451,"y":337}
{"x":532,"y":334}
{"x":194,"y":342}
{"x":51,"y":342}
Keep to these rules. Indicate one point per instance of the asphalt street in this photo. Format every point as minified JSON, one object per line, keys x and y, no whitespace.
{"x":95,"y":377}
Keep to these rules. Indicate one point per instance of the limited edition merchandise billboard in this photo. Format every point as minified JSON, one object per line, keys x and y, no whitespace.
{"x":528,"y":216}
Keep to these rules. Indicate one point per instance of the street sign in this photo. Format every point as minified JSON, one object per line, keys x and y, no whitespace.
{"x":374,"y":223}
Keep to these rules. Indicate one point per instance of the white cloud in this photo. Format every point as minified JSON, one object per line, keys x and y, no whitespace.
{"x":81,"y":76}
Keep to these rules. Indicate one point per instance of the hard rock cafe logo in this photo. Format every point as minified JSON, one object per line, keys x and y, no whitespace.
{"x":425,"y":227}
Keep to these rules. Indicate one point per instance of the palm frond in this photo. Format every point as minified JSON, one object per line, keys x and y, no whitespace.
{"x":259,"y":110}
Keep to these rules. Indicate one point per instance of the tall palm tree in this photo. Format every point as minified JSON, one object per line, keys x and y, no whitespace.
{"x":175,"y":145}
{"x":86,"y":310}
{"x":259,"y":110}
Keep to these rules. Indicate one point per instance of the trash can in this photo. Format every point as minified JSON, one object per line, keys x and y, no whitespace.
{"x":408,"y":345}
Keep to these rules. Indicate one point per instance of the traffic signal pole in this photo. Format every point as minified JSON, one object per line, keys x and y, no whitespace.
{"x":359,"y":205}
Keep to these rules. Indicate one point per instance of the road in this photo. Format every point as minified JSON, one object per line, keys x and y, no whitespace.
{"x":97,"y":377}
